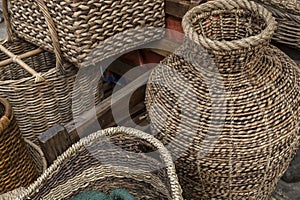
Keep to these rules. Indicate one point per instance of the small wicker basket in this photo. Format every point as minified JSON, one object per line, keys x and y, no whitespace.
{"x":40,"y":165}
{"x":110,"y":159}
{"x":287,"y":14}
{"x":76,"y":28}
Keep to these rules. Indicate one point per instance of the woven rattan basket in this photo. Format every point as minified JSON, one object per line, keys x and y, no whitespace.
{"x":113,"y":158}
{"x":78,"y":27}
{"x":40,"y":94}
{"x":21,"y":160}
{"x":287,"y":14}
{"x":226,"y":103}
{"x":40,"y":165}
{"x":17,"y":167}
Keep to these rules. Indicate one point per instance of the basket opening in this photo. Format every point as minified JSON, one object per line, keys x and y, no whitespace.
{"x":41,"y":62}
{"x":228,"y":25}
{"x":2,"y":110}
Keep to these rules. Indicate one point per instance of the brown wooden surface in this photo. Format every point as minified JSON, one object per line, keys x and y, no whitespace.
{"x":57,"y":139}
{"x":178,"y":8}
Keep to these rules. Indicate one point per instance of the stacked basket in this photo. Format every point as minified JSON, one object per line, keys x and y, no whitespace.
{"x":77,"y":28}
{"x":287,"y":14}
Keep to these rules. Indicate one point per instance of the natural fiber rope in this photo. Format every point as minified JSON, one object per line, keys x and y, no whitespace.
{"x":209,"y":44}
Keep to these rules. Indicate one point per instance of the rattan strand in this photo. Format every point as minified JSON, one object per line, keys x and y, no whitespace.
{"x":17,"y":167}
{"x":40,"y":166}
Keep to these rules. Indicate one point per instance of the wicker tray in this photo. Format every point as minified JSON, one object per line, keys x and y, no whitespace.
{"x":113,"y":158}
{"x":76,"y":28}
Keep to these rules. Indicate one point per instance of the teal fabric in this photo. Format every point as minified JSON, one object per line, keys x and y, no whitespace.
{"x":91,"y":195}
{"x":121,"y":194}
{"x":117,"y":194}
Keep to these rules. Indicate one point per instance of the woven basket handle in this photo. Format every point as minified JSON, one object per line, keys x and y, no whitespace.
{"x":17,"y":59}
{"x":51,"y":27}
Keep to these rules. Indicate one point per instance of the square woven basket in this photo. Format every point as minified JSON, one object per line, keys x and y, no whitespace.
{"x":76,"y":28}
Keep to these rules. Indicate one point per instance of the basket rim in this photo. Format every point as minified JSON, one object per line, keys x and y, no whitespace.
{"x":244,"y":43}
{"x":52,"y":71}
{"x":6,"y":117}
{"x":166,"y":156}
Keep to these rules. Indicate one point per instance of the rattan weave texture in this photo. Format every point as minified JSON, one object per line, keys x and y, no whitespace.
{"x":39,"y":104}
{"x":287,"y":14}
{"x":76,"y":28}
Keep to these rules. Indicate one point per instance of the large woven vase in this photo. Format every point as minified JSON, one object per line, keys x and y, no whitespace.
{"x":17,"y":168}
{"x":226,"y":103}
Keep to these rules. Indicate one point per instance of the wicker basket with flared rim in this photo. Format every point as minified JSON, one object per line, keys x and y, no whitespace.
{"x":226,"y":103}
{"x":109,"y":159}
{"x":78,"y":27}
{"x":287,"y":14}
{"x":40,"y":93}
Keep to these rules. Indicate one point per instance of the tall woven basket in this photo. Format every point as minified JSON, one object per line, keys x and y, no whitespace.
{"x":80,"y":27}
{"x":226,"y":103}
{"x":21,"y":160}
{"x":17,"y":167}
{"x":115,"y":158}
{"x":40,"y":165}
{"x":287,"y":14}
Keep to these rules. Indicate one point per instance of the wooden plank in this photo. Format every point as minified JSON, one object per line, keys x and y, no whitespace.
{"x":160,"y":47}
{"x":178,"y":8}
{"x":54,"y":142}
{"x":58,"y":138}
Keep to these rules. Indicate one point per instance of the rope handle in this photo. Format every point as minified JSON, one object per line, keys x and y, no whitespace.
{"x":50,"y":24}
{"x":17,"y":59}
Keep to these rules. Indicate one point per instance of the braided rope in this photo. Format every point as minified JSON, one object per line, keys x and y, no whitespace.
{"x":248,"y":42}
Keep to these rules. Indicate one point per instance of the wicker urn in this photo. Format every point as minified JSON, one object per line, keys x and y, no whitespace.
{"x":226,"y":103}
